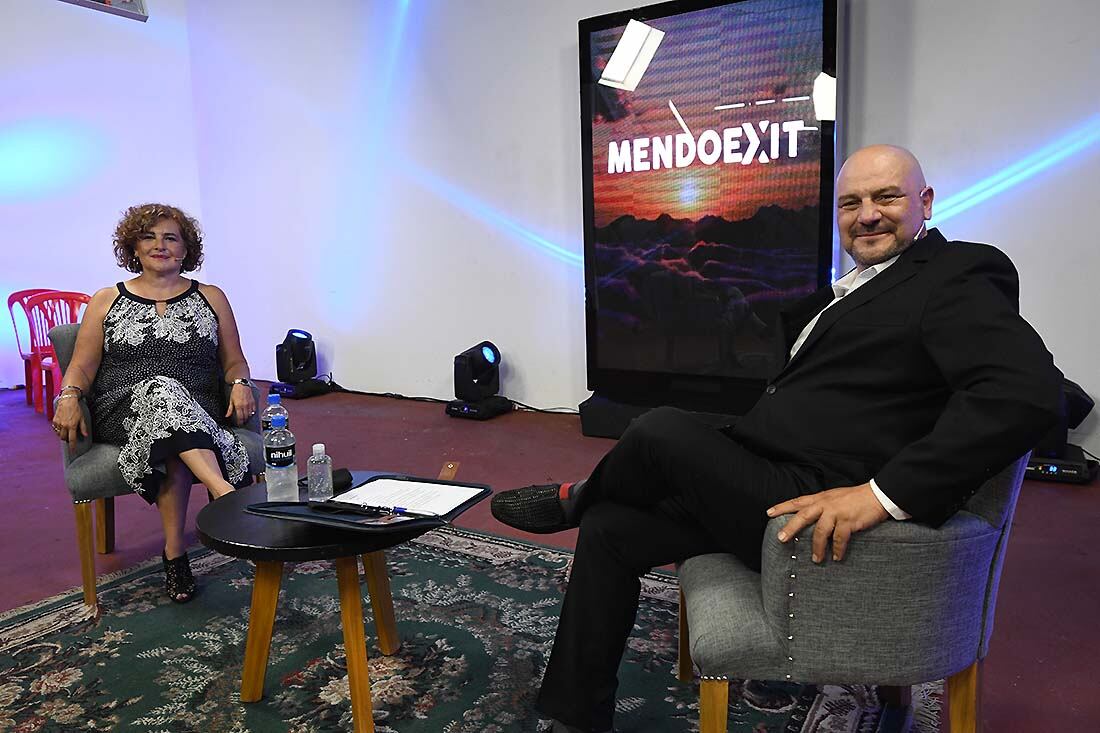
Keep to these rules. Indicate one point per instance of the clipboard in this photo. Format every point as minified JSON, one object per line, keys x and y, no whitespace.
{"x":362,"y":519}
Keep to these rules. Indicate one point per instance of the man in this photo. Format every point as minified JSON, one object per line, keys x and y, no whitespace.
{"x":908,"y":383}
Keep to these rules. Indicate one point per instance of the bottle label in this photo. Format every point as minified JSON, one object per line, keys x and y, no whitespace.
{"x":279,"y":457}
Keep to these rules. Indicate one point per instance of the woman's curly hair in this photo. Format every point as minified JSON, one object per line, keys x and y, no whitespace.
{"x":139,"y":219}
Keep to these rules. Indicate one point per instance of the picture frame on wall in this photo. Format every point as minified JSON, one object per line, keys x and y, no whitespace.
{"x":134,"y":9}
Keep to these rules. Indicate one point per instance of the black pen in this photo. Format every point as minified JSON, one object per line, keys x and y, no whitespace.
{"x":400,"y":510}
{"x":368,"y":510}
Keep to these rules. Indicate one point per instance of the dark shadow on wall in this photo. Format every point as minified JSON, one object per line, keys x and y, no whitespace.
{"x":876,"y":54}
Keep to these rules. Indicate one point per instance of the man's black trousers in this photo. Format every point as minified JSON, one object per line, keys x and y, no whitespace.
{"x":673,"y":487}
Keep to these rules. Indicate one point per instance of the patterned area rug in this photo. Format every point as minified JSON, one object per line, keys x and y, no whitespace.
{"x":476,"y":614}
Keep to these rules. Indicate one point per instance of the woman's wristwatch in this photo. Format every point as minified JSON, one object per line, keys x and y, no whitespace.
{"x":243,"y":380}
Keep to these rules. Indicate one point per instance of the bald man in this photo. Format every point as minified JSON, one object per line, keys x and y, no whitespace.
{"x":908,"y":382}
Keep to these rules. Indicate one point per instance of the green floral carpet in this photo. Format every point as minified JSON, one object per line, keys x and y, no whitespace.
{"x":476,"y":616}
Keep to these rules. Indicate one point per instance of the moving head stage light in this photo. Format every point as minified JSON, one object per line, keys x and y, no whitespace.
{"x":477,"y":381}
{"x":296,"y":363}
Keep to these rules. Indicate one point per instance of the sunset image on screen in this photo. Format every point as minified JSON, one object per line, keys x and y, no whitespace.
{"x":706,"y":187}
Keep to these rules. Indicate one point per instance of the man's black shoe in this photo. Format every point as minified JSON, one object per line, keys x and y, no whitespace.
{"x":541,"y":509}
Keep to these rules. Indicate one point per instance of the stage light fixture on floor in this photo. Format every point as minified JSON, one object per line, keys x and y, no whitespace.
{"x":296,"y":364}
{"x":477,"y":381}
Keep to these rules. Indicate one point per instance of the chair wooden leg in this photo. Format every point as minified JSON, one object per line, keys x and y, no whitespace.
{"x":897,"y":708}
{"x":963,"y":699}
{"x":105,"y":525}
{"x":87,"y":553}
{"x":684,"y":671}
{"x":714,"y":701}
{"x":261,"y":621}
{"x":447,"y":473}
{"x":899,"y":697}
{"x":381,"y":602}
{"x":355,"y":643}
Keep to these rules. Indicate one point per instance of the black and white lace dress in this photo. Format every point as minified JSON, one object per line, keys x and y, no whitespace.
{"x":158,"y":391}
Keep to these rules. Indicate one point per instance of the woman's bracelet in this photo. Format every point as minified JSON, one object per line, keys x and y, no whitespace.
{"x":63,"y":396}
{"x":72,"y":386}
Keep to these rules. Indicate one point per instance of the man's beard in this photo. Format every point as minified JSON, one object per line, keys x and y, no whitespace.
{"x":877,"y":257}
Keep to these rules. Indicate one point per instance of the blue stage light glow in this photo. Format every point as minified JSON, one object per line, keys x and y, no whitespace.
{"x":388,"y":36}
{"x":478,"y":208}
{"x":489,"y":354}
{"x":1055,"y":152}
{"x":300,"y":334}
{"x":44,"y":157}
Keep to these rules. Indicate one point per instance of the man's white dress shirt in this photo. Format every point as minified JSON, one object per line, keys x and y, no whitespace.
{"x":845,"y":286}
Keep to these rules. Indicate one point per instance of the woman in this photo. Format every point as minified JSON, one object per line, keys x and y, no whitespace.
{"x":151,"y":354}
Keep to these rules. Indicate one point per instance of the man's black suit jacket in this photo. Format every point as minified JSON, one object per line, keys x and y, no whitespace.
{"x":925,"y":379}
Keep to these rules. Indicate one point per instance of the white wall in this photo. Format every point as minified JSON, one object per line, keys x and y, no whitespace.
{"x":972,"y":88}
{"x":95,"y":116}
{"x":398,"y":171}
{"x":394,"y":169}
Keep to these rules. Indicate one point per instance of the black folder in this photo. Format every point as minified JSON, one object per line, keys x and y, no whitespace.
{"x":364,"y":519}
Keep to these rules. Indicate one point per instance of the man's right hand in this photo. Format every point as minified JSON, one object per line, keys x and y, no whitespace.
{"x":68,"y":421}
{"x":836,"y":514}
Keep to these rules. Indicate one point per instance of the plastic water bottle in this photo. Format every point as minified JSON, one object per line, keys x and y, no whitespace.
{"x":319,"y":473}
{"x":280,"y":469}
{"x":274,"y":407}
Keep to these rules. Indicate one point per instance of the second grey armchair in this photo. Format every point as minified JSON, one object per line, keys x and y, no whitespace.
{"x":908,"y":604}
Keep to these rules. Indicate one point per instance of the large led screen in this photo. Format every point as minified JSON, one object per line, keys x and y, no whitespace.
{"x":704,"y":202}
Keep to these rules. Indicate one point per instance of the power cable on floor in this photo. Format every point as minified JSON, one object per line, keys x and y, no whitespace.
{"x":394,"y":395}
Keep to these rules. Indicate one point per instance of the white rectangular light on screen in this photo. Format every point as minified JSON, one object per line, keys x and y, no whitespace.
{"x":825,"y":97}
{"x":631,"y":57}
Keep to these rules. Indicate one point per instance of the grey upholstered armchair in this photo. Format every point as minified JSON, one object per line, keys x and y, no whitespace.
{"x":908,"y":604}
{"x":92,"y":474}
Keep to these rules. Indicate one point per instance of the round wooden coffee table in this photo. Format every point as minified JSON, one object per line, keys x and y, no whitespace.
{"x":225,"y":527}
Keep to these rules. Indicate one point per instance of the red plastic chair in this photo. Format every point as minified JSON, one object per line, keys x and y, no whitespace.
{"x":32,"y":378}
{"x":44,"y":311}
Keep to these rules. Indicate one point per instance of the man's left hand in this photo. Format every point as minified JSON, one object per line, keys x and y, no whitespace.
{"x":838,"y":513}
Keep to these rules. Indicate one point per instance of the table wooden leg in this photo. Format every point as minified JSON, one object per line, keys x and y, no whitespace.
{"x":355,"y":643}
{"x":261,"y":621}
{"x":381,"y":602}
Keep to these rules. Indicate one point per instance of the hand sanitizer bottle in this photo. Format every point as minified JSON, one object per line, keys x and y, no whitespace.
{"x":319,"y":472}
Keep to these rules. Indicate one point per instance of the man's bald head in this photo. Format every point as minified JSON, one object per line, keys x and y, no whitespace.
{"x":882,"y":203}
